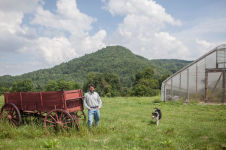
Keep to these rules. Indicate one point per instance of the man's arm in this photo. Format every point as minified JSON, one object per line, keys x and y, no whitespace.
{"x":99,"y":100}
{"x":85,"y":103}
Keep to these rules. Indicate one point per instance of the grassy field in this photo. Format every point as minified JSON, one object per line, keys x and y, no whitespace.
{"x":126,"y":124}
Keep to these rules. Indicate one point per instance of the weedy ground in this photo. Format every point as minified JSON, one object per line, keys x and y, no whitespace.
{"x":126,"y":124}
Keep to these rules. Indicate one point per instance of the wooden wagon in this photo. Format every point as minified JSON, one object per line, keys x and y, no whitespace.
{"x":58,"y":109}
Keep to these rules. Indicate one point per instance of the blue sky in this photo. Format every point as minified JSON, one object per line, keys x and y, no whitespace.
{"x":37,"y":34}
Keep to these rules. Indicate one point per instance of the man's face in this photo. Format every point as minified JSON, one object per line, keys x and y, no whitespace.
{"x":91,"y":88}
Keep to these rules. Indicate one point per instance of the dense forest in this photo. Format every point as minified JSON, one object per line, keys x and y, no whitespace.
{"x":113,"y":69}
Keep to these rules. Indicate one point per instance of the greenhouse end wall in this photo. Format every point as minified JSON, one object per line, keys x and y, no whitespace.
{"x":203,"y":79}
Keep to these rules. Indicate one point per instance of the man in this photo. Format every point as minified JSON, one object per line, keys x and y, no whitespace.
{"x":93,"y":103}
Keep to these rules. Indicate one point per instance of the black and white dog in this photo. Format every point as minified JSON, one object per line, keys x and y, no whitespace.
{"x":157,"y":114}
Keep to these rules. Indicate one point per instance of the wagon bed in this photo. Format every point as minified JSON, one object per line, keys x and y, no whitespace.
{"x":53,"y":107}
{"x":46,"y":101}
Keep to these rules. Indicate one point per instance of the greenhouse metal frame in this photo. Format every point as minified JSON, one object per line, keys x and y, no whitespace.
{"x":204,"y":79}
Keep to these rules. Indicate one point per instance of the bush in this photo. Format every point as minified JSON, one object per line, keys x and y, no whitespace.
{"x":145,"y":84}
{"x":106,"y":84}
{"x":61,"y":85}
{"x":3,"y":90}
{"x":23,"y":86}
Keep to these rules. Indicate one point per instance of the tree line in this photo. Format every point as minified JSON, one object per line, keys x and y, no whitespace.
{"x":115,"y":70}
{"x":145,"y":83}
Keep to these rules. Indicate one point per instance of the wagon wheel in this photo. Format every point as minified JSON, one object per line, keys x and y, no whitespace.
{"x":81,"y":115}
{"x":76,"y":119}
{"x":10,"y":112}
{"x":58,"y":119}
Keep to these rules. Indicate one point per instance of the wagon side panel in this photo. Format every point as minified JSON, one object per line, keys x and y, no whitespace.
{"x":74,"y":105}
{"x":31,"y":101}
{"x":52,"y":100}
{"x":14,"y":98}
{"x":74,"y":100}
{"x":73,"y":94}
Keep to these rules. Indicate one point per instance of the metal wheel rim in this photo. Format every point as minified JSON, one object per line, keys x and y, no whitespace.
{"x":12,"y":112}
{"x":58,"y":119}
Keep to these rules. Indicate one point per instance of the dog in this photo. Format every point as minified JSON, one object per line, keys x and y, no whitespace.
{"x":157,"y":114}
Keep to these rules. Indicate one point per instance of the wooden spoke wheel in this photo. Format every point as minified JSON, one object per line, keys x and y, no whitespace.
{"x":77,"y":116}
{"x":81,"y":115}
{"x":11,"y":112}
{"x":58,"y":119}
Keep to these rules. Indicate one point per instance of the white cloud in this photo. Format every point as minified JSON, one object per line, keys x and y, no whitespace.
{"x":203,"y":36}
{"x":25,"y":6}
{"x":204,"y":28}
{"x":51,"y":37}
{"x":199,"y":47}
{"x":148,"y":8}
{"x":55,"y":50}
{"x":16,"y":68}
{"x":69,"y":19}
{"x":92,"y":43}
{"x":205,"y":44}
{"x":142,"y":29}
{"x":10,"y":21}
{"x":12,"y":34}
{"x":172,"y":46}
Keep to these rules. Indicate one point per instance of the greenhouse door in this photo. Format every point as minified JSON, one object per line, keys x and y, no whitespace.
{"x":215,"y":80}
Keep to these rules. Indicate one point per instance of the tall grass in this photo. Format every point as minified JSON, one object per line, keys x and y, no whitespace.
{"x":126,"y":124}
{"x":1,"y":100}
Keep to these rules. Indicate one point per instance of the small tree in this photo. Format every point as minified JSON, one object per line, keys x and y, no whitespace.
{"x":161,"y":78}
{"x":107,"y":84}
{"x":76,"y":85}
{"x":145,"y":83}
{"x":51,"y":86}
{"x":65,"y":85}
{"x":23,"y":86}
{"x":3,"y":90}
{"x":61,"y":85}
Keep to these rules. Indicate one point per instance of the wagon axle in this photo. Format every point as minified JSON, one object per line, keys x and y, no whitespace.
{"x":60,"y":123}
{"x":10,"y":117}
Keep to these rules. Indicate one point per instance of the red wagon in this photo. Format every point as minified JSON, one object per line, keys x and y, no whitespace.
{"x":58,"y":109}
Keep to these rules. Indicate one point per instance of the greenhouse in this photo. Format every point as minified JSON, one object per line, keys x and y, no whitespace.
{"x":204,"y":79}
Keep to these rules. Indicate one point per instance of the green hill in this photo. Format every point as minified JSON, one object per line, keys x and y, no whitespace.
{"x":168,"y":66}
{"x":112,"y":59}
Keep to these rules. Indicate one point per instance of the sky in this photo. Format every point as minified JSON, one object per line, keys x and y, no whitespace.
{"x":39,"y":34}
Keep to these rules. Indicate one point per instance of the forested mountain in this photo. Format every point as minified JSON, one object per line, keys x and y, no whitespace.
{"x":168,"y":66}
{"x":112,"y":59}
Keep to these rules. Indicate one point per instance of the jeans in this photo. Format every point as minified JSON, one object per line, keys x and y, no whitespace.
{"x":96,"y":114}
